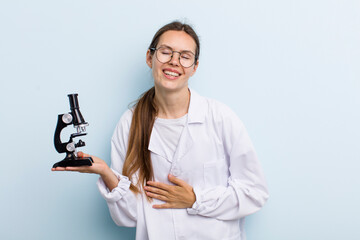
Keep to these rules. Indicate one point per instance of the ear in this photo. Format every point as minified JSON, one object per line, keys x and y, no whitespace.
{"x":149,"y":58}
{"x":195,"y":68}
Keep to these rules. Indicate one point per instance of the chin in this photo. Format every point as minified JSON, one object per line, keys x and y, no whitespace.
{"x":164,"y":83}
{"x":171,"y":87}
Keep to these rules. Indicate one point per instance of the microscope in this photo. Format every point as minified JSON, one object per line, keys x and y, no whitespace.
{"x":75,"y":118}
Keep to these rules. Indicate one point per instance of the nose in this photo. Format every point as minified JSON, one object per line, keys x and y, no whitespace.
{"x":175,"y":60}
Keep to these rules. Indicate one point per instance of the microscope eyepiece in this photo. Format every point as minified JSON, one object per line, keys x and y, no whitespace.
{"x":74,"y":103}
{"x":75,"y":110}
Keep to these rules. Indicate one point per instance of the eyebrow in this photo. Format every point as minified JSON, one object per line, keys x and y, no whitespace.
{"x":164,"y":45}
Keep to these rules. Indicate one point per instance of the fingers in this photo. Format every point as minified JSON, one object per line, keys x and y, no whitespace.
{"x":163,"y":206}
{"x":157,"y":196}
{"x":155,"y":190}
{"x":58,"y":169}
{"x":78,"y":169}
{"x":176,"y":180}
{"x":160,"y":185}
{"x":72,"y":169}
{"x":180,"y":195}
{"x":82,"y":155}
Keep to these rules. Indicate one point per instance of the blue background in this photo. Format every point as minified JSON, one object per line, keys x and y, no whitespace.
{"x":290,"y":69}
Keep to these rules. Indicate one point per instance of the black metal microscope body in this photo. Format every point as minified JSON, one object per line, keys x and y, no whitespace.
{"x":74,"y":117}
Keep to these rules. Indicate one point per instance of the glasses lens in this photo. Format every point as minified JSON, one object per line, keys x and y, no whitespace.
{"x":164,"y":54}
{"x":187,"y":59}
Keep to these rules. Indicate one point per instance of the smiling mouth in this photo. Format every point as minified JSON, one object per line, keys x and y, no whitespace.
{"x":172,"y":74}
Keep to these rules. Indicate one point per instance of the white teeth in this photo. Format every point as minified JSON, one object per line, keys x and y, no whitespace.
{"x":171,"y":73}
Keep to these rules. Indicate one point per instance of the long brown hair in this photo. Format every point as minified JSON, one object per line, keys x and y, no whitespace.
{"x":138,"y":158}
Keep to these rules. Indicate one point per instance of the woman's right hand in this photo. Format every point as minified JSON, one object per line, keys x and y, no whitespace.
{"x":99,"y":166}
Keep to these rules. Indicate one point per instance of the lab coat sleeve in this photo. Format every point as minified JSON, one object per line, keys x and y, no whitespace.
{"x":122,"y":202}
{"x":246,"y":191}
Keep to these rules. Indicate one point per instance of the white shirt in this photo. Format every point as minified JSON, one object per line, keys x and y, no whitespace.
{"x":170,"y":131}
{"x":215,"y":156}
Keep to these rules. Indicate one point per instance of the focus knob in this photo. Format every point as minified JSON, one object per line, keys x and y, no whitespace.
{"x":67,"y":118}
{"x":70,"y":147}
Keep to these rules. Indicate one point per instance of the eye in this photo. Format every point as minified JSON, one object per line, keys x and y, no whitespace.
{"x":165,"y":51}
{"x":186,"y":55}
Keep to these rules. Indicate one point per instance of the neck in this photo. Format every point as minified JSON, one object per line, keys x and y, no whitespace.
{"x":172,"y":105}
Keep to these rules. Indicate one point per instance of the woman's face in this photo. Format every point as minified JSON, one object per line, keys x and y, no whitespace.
{"x":172,"y":76}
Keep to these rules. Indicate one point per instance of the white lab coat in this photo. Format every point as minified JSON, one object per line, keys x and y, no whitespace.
{"x":215,"y":156}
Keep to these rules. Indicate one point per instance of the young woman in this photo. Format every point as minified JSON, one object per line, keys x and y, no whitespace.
{"x":182,"y":166}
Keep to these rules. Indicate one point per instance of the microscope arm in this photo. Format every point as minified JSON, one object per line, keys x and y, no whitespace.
{"x":59,"y":146}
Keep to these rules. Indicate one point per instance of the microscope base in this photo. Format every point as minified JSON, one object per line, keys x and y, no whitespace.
{"x":74,"y":162}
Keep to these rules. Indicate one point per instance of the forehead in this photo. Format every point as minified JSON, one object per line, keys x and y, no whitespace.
{"x":177,"y":40}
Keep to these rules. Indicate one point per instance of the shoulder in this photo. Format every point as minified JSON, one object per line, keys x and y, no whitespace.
{"x":123,"y":125}
{"x":225,"y":117}
{"x":127,"y":116}
{"x":220,"y":115}
{"x":220,"y":108}
{"x":220,"y":111}
{"x":226,"y":123}
{"x":202,"y":108}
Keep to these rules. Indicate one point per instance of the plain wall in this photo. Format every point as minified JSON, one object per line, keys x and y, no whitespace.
{"x":290,"y":69}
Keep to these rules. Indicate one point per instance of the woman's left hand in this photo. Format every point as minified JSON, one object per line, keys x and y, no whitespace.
{"x":180,"y":195}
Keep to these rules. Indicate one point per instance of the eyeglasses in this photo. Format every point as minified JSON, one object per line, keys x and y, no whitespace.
{"x":165,"y":54}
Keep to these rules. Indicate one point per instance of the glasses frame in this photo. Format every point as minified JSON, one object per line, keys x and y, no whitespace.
{"x":172,"y":54}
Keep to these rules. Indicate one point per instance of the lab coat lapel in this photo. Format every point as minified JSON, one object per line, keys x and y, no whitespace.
{"x":196,"y":115}
{"x":184,"y":144}
{"x":155,"y":145}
